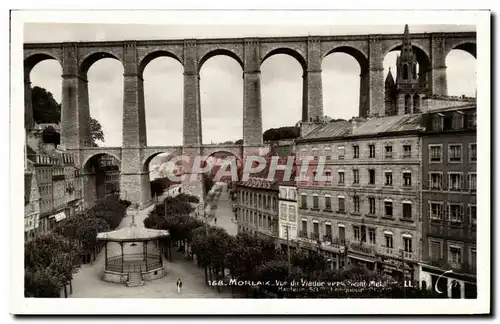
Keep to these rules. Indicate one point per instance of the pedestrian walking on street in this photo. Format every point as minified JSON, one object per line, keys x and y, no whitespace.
{"x":179,"y":286}
{"x":215,"y":220}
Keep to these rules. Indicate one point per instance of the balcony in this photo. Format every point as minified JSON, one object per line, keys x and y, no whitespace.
{"x":362,"y":248}
{"x":457,"y":231}
{"x":314,"y":236}
{"x":461,"y":267}
{"x":397,"y":253}
{"x":333,"y":244}
{"x":303,"y":234}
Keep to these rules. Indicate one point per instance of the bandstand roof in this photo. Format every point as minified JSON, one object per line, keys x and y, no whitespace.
{"x":132,"y":233}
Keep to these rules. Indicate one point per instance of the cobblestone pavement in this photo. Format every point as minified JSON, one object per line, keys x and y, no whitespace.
{"x":87,"y":282}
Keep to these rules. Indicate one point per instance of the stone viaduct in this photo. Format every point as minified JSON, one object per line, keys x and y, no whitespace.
{"x":77,"y":57}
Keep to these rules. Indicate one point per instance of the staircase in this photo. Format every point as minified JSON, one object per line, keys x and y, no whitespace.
{"x":134,"y":279}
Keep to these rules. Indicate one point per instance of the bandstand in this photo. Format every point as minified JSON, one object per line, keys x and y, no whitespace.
{"x":132,"y":266}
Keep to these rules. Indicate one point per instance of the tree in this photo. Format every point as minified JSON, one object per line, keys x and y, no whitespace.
{"x":96,"y":131}
{"x":48,"y":262}
{"x":46,"y":110}
{"x":239,"y":142}
{"x":276,"y":134}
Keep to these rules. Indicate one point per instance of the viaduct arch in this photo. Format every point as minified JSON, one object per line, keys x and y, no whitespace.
{"x":77,"y":57}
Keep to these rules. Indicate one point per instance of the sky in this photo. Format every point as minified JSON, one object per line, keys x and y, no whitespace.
{"x":221,"y":78}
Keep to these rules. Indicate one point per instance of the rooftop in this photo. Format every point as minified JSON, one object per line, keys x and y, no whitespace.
{"x":361,"y":127}
{"x":132,"y":233}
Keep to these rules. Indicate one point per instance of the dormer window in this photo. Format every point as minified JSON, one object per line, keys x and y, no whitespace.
{"x":458,"y":120}
{"x":437,"y":122}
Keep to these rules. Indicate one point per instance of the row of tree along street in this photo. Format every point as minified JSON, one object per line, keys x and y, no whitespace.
{"x":263,"y":268}
{"x":51,"y":258}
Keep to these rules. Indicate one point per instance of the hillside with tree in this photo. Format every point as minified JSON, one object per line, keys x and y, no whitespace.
{"x":46,"y":110}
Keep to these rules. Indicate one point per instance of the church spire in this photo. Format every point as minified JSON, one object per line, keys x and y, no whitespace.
{"x":406,"y":48}
{"x":389,"y":80}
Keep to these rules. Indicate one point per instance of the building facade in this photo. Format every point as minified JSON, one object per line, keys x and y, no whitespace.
{"x":257,"y":207}
{"x":31,"y":201}
{"x":449,"y":156}
{"x":366,"y":209}
{"x":288,"y":213}
{"x":56,"y":189}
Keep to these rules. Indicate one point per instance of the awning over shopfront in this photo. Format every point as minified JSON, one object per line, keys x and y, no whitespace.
{"x":60,"y":216}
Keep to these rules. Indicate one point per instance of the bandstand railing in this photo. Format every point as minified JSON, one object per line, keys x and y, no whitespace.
{"x":134,"y":262}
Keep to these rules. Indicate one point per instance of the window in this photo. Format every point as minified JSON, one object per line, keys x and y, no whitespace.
{"x":388,"y":208}
{"x":328,"y":229}
{"x":372,"y":236}
{"x":341,"y":152}
{"x":371,"y":201}
{"x":435,"y":180}
{"x":435,"y":250}
{"x":303,"y":154}
{"x":355,"y":150}
{"x":457,"y":121}
{"x":388,"y":240}
{"x":454,"y":181}
{"x":388,"y":178}
{"x":260,"y":220}
{"x":371,"y":147}
{"x":328,"y":152}
{"x":472,"y":214}
{"x":355,"y":201}
{"x":341,"y":205}
{"x":316,"y":229}
{"x":388,"y":151}
{"x":455,"y":253}
{"x":406,"y":151}
{"x":283,"y":193}
{"x":472,"y":152}
{"x":304,"y":226}
{"x":455,"y":153}
{"x":436,"y":210}
{"x":435,"y":153}
{"x":455,"y":213}
{"x":416,"y":102}
{"x":407,"y":210}
{"x":407,"y":179}
{"x":315,"y":153}
{"x":371,"y":176}
{"x":341,"y":233}
{"x":437,"y":122}
{"x":328,"y":176}
{"x":407,"y":244}
{"x":471,"y":120}
{"x":471,"y":181}
{"x":283,"y":211}
{"x":293,"y":194}
{"x":355,"y":174}
{"x":315,"y":201}
{"x":407,"y":97}
{"x":357,"y":233}
{"x":303,"y":198}
{"x":341,"y":177}
{"x":328,"y":202}
{"x":472,"y":257}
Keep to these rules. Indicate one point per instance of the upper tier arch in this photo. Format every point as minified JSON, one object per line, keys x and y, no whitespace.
{"x":206,"y":52}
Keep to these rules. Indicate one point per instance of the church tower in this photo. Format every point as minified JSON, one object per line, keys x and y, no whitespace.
{"x":405,"y":96}
{"x":390,"y":95}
